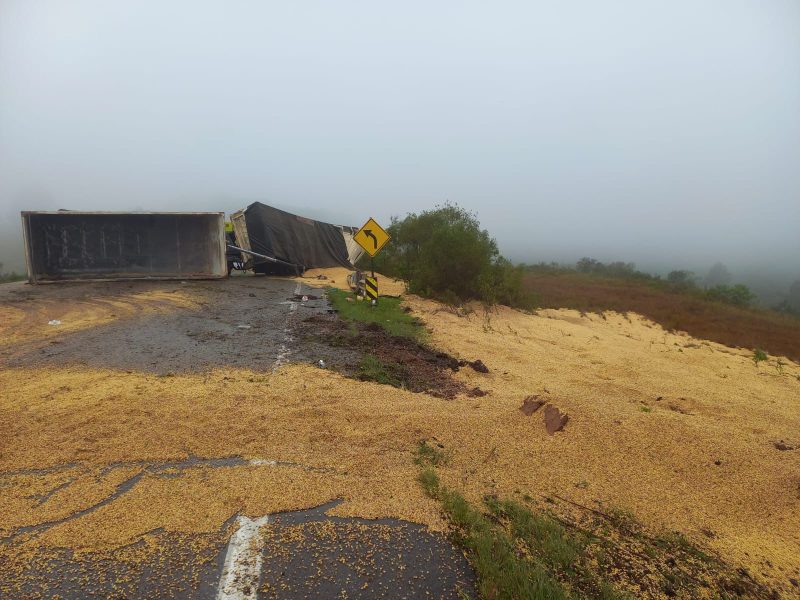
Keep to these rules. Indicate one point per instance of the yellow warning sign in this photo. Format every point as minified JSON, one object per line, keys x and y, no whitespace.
{"x":372,"y":237}
{"x":371,"y":287}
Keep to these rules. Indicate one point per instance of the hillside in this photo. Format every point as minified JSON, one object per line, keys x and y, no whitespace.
{"x":730,"y":325}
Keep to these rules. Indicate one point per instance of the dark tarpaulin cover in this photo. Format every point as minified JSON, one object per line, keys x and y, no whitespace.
{"x":292,"y":239}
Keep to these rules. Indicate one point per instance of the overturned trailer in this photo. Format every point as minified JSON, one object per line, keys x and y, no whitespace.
{"x":275,"y":241}
{"x":67,"y":245}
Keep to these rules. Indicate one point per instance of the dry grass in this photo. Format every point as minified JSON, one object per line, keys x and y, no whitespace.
{"x":777,"y":334}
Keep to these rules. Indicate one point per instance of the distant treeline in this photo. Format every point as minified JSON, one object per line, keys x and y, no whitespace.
{"x":716,"y":286}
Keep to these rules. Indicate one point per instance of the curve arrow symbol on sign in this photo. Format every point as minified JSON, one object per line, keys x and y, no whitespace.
{"x":368,"y":233}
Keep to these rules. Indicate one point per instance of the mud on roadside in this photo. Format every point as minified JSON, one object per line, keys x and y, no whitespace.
{"x":407,"y":363}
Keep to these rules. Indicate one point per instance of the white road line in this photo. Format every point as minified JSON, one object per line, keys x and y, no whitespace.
{"x":242,"y":569}
{"x":284,"y":350}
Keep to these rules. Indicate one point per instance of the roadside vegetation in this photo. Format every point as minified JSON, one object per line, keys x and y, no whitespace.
{"x":721,"y":313}
{"x":520,"y":550}
{"x":390,"y":347}
{"x":444,"y":254}
{"x":374,"y":369}
{"x":389,"y":344}
{"x":387,"y":313}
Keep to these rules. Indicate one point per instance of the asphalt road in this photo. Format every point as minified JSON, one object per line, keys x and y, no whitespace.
{"x":305,"y":554}
{"x":248,"y":322}
{"x":243,"y":321}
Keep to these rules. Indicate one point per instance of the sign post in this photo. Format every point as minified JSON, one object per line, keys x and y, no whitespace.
{"x":372,"y":238}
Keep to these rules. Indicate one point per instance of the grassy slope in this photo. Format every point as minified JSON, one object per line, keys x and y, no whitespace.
{"x":521,"y":551}
{"x":729,"y":325}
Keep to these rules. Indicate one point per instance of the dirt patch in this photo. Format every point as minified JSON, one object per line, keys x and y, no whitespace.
{"x":531,"y":404}
{"x":554,"y":419}
{"x":407,"y":363}
{"x":678,"y":408}
{"x":477,"y":392}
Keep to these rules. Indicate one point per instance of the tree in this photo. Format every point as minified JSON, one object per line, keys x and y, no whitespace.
{"x":589,"y":265}
{"x":718,"y":275}
{"x":681,"y":279}
{"x":444,"y":253}
{"x":738,"y":295}
{"x":684,"y":278}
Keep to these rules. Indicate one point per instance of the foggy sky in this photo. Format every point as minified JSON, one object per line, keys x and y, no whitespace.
{"x":665,"y":133}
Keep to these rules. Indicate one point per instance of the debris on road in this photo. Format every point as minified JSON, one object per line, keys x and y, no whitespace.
{"x":531,"y":404}
{"x":554,"y":419}
{"x":54,"y":322}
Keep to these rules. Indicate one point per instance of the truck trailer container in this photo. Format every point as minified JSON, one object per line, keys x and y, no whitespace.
{"x":69,"y":245}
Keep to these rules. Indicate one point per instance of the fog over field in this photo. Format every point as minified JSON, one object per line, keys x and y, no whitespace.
{"x":666,"y":134}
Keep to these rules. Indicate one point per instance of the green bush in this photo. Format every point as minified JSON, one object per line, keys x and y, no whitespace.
{"x":738,"y":295}
{"x":444,"y":254}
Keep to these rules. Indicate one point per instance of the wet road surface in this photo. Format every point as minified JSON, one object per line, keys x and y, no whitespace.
{"x":247,"y":322}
